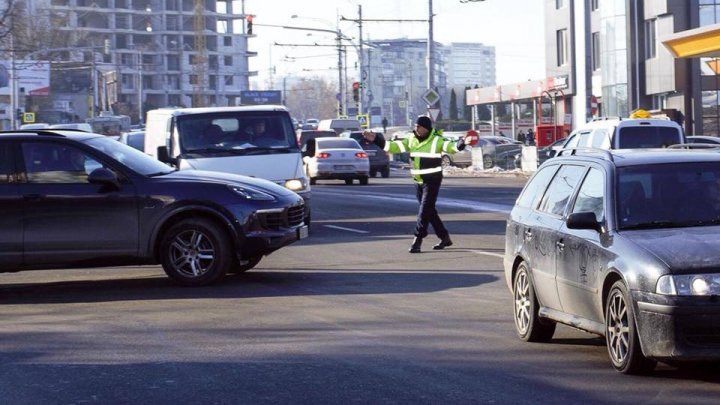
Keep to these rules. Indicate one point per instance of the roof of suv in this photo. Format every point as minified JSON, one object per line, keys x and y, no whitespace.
{"x":633,"y":157}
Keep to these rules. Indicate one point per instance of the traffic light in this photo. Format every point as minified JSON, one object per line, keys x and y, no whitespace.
{"x":356,"y":91}
{"x":249,"y":20}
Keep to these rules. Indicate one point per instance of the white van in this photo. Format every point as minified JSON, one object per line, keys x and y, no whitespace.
{"x":339,"y":125}
{"x":255,"y":141}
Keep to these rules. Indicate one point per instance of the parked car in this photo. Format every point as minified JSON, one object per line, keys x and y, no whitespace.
{"x":551,"y":150}
{"x":703,"y":139}
{"x":135,"y":139}
{"x":336,"y":158}
{"x":339,"y":125}
{"x":496,"y":150}
{"x":379,"y":159}
{"x":304,"y":135}
{"x":624,"y":244}
{"x":73,"y":199}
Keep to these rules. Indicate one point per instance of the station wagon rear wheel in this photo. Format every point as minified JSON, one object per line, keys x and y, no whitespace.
{"x":621,"y":334}
{"x":528,"y":325}
{"x":196,"y":252}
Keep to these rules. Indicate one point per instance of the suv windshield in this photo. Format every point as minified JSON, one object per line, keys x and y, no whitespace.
{"x":648,"y":137}
{"x":668,"y":195}
{"x":236,"y":132}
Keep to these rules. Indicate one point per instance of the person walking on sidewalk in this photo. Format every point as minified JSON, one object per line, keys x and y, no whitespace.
{"x":425,"y":147}
{"x":384,"y":125}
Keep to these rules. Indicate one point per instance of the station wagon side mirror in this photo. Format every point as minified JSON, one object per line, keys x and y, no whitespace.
{"x":104,"y":177}
{"x":164,"y":156}
{"x":584,"y":220}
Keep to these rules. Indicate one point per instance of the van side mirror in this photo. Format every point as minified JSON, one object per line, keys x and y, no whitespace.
{"x":164,"y":156}
{"x":584,"y":220}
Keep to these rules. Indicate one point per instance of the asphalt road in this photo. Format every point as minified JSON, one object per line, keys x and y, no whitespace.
{"x":344,"y":316}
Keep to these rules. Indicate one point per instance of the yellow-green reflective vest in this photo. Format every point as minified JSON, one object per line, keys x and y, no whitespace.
{"x":426,"y":155}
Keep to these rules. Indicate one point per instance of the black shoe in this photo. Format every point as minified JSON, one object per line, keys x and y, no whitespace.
{"x":415,"y":248}
{"x":444,"y":242}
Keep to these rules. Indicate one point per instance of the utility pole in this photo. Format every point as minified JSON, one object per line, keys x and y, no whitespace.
{"x":362,"y":66}
{"x":430,"y":49}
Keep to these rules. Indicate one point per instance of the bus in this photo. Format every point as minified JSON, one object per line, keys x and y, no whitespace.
{"x":110,"y":125}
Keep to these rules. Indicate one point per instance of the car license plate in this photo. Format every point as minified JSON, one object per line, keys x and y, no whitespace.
{"x":344,"y":167}
{"x":302,"y":232}
{"x":370,"y":152}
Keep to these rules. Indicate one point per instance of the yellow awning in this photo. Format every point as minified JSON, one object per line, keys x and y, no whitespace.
{"x":695,"y":43}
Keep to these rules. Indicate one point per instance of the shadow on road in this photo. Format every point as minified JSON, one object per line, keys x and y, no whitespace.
{"x":249,"y":285}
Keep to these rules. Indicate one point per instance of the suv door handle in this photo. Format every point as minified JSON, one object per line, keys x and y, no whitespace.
{"x":32,"y":197}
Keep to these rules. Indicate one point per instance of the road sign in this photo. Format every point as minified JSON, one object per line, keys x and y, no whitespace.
{"x":364,"y":120}
{"x":434,"y":112}
{"x":430,"y":97}
{"x":402,"y":103}
{"x":28,"y":117}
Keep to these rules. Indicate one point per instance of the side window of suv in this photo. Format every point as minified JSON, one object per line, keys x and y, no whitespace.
{"x":6,"y":163}
{"x":47,"y":162}
{"x":561,"y":189}
{"x":591,"y":196}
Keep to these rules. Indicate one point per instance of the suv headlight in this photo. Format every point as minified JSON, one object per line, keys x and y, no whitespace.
{"x":296,"y":184}
{"x":251,"y":193}
{"x":689,"y":284}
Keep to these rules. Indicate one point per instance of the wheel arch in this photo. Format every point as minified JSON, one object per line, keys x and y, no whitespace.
{"x":611,"y":278}
{"x":190,"y":212}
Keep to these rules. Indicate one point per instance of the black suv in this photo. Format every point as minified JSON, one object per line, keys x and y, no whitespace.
{"x":624,"y":244}
{"x":81,"y":200}
{"x":379,"y":159}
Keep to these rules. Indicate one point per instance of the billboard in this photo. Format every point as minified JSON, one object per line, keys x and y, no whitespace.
{"x":260,"y":97}
{"x":33,"y":77}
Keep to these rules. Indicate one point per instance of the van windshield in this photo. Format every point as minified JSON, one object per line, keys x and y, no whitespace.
{"x":236,"y":132}
{"x":648,"y":137}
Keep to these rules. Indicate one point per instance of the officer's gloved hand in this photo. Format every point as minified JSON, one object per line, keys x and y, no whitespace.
{"x":460,"y":145}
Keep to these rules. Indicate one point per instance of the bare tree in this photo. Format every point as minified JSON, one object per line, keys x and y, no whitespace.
{"x":312,"y":98}
{"x":7,"y":7}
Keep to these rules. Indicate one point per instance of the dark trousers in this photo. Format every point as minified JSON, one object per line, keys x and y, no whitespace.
{"x":427,"y":194}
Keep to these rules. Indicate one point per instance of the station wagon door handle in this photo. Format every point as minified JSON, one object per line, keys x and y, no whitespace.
{"x":528,"y":234}
{"x":560,"y":245}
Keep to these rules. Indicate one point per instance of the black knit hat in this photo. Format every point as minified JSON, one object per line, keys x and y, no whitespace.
{"x":425,"y":122}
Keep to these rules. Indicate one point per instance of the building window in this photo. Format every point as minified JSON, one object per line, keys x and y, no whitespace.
{"x":227,"y":41}
{"x":562,"y":47}
{"x":595,"y":51}
{"x":228,"y":61}
{"x":595,"y":5}
{"x":559,"y":4}
{"x":650,"y":38}
{"x":229,"y":80}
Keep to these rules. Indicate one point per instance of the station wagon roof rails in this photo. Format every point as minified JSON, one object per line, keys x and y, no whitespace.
{"x":606,"y":154}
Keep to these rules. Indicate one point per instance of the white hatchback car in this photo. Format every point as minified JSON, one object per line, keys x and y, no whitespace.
{"x":336,"y":158}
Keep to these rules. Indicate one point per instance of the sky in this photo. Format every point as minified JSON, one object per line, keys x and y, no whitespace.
{"x":514,"y":27}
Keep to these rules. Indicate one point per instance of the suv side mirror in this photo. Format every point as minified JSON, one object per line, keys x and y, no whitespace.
{"x":584,"y":220}
{"x":104,"y":177}
{"x":164,"y":156}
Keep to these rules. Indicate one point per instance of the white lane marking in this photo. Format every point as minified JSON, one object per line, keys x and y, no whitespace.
{"x":484,"y":253}
{"x":443,"y":202}
{"x":345,"y":229}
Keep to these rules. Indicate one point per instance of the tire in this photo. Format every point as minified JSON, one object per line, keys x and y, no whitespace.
{"x":621,"y":335}
{"x":313,"y":181}
{"x":196,"y":252}
{"x":363,"y":181}
{"x":446,"y":162}
{"x":488,"y":162}
{"x":373,"y":173}
{"x":528,"y":325}
{"x":348,"y":181}
{"x":246,"y":265}
{"x":385,"y":172}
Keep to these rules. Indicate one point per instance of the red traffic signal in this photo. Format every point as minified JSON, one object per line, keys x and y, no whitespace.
{"x":356,"y":85}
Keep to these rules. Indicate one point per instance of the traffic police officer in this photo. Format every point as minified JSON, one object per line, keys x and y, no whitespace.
{"x":425,"y":148}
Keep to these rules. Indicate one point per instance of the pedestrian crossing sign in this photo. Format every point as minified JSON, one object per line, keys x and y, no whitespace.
{"x":28,"y":117}
{"x":364,"y":120}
